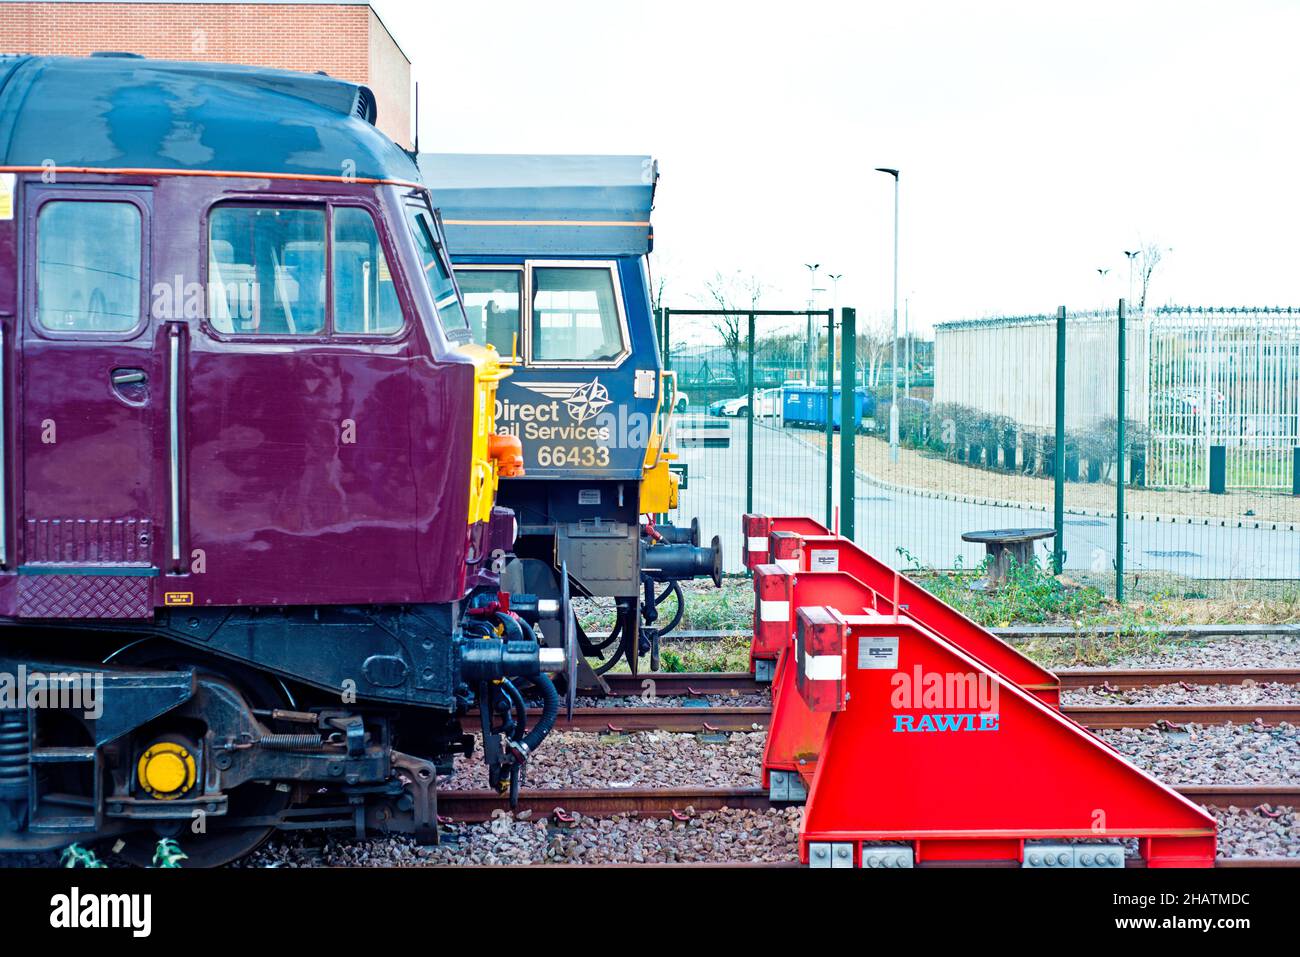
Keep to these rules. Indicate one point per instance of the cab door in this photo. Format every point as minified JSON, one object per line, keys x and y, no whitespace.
{"x":89,"y":395}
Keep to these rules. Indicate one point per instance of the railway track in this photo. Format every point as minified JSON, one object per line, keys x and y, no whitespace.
{"x":1225,"y":862}
{"x":755,"y":718}
{"x":704,"y":717}
{"x":681,"y":803}
{"x":561,"y":805}
{"x":1072,"y":679}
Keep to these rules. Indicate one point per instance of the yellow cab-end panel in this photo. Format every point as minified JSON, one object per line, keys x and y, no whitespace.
{"x":484,"y":473}
{"x":658,"y":483}
{"x":659,"y":489}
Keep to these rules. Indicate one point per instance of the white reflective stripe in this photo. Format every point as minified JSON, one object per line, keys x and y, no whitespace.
{"x":823,"y":667}
{"x":789,"y":564}
{"x":758,"y":544}
{"x":773,"y":611}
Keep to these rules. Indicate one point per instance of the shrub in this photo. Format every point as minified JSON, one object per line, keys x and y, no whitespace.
{"x":1099,"y":443}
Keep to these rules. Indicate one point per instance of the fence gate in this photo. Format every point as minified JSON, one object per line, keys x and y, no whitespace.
{"x":1228,"y":379}
{"x":755,"y":422}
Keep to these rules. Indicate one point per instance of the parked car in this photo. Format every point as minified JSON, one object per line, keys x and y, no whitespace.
{"x":767,"y":403}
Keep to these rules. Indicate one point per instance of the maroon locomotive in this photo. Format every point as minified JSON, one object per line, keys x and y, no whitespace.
{"x":248,"y":543}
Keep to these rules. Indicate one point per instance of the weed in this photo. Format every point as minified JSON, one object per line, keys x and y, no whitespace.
{"x":1029,"y":595}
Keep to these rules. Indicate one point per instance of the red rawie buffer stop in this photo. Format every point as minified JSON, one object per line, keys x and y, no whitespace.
{"x":970,"y":780}
{"x":796,"y":732}
{"x":757,"y":529}
{"x":825,"y":553}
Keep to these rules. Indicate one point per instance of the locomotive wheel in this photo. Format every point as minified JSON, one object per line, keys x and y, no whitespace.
{"x":220,"y":844}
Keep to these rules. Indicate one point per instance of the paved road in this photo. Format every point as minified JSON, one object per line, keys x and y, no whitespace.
{"x":790,"y":479}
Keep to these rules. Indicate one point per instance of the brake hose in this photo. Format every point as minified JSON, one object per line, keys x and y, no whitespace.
{"x":550,"y":711}
{"x":520,"y":709}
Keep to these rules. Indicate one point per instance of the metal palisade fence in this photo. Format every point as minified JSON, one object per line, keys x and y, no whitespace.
{"x":1187,"y":426}
{"x":1223,"y":378}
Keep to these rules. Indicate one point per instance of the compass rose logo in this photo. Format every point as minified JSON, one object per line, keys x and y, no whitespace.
{"x":587,"y":401}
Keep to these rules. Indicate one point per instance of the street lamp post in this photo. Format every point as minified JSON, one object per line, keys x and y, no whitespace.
{"x":893,"y":403}
{"x":1132,"y":255}
{"x":808,"y":341}
{"x":907,"y":347}
{"x":835,"y":278}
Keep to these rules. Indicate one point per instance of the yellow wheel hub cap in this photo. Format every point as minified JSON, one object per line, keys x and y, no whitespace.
{"x":166,"y":770}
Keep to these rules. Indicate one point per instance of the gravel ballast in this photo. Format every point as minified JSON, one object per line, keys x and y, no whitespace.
{"x":1231,"y":651}
{"x":1250,"y":832}
{"x":721,"y":837}
{"x":1218,"y":754}
{"x":641,"y":759}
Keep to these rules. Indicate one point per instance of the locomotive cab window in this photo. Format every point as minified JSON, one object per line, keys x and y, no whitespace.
{"x":576,"y":315}
{"x":493,"y":298}
{"x":365,"y":299}
{"x":437,"y":272}
{"x":266,"y":271}
{"x":88,"y":266}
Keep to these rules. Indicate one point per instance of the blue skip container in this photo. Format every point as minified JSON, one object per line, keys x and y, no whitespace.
{"x":805,"y":406}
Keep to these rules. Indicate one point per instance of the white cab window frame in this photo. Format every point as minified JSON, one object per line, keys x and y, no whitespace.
{"x":529,"y":288}
{"x":524,"y":304}
{"x":526,"y":308}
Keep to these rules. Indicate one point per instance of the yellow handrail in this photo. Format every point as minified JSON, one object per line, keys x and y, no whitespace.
{"x":662,"y":435}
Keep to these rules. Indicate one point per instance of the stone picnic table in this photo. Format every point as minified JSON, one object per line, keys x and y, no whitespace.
{"x":1004,"y":544}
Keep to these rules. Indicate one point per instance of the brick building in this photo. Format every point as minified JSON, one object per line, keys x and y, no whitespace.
{"x":344,"y":39}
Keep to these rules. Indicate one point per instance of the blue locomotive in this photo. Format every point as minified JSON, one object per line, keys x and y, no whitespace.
{"x":550,"y":253}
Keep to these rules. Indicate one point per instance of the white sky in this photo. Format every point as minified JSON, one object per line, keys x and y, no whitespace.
{"x":1036,"y":140}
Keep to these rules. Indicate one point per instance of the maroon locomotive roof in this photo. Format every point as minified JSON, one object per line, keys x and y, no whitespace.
{"x":130,"y":112}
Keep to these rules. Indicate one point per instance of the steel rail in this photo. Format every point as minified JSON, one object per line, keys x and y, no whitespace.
{"x":1076,"y":678}
{"x":1227,"y":862}
{"x":616,"y":720}
{"x":1014,"y":632}
{"x":681,"y":803}
{"x":665,"y":683}
{"x":1109,"y":717}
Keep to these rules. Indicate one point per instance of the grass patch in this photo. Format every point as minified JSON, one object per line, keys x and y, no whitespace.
{"x":716,"y":654}
{"x":729,"y":608}
{"x":1029,"y":596}
{"x":1219,"y":603}
{"x":724,"y":654}
{"x":1095,"y":650}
